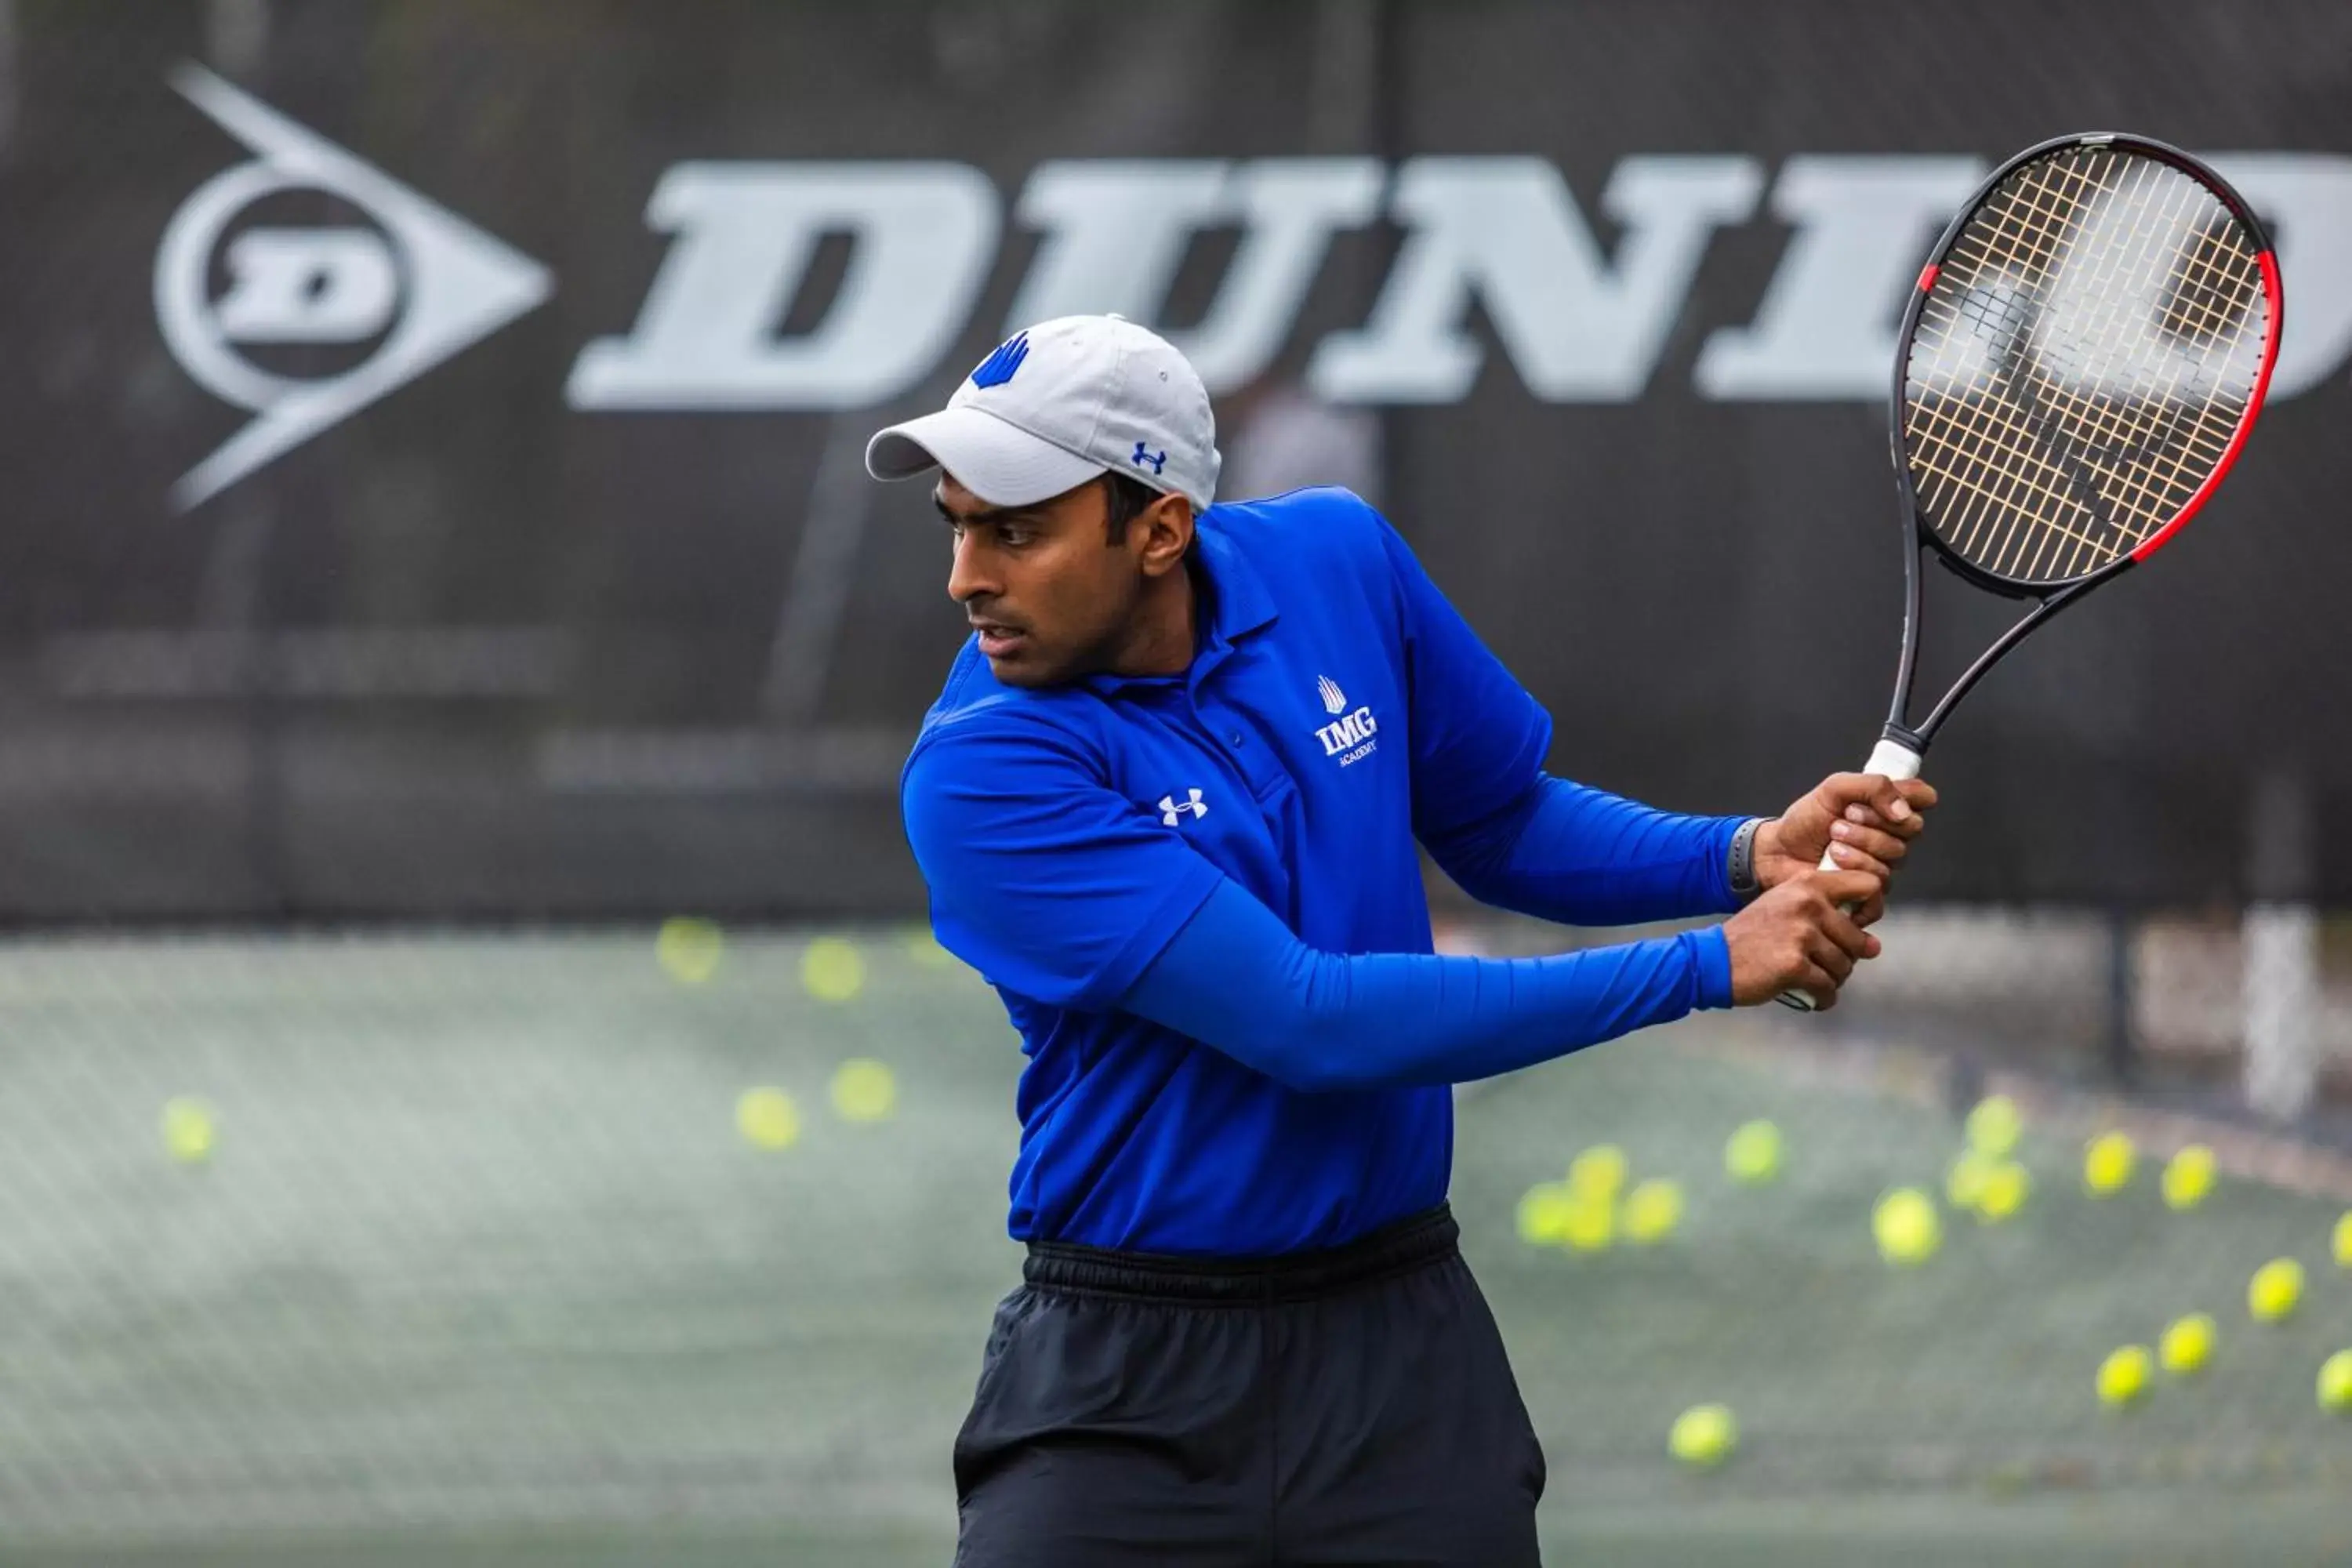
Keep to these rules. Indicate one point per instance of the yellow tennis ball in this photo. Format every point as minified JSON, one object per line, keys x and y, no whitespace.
{"x":188,"y":1131}
{"x":1544,"y":1213}
{"x":1964,"y":1183}
{"x":2335,"y":1381}
{"x":1907,"y":1227}
{"x":2186,"y":1344}
{"x":864,"y":1090}
{"x":1704,"y":1435}
{"x":831,"y":970}
{"x":2188,"y":1177}
{"x":1599,"y":1171}
{"x":1591,"y":1222}
{"x":2343,"y":1241}
{"x":767,"y":1118}
{"x":1995,"y":1126}
{"x":2123,"y":1376}
{"x":688,"y":949}
{"x":2006,"y":1187}
{"x":1752,"y":1155}
{"x":2277,"y":1287}
{"x":2107,"y":1161}
{"x":1653,"y":1209}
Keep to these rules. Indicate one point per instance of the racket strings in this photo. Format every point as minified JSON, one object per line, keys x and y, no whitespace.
{"x":2089,"y":347}
{"x":2048,"y":242}
{"x":2176,"y":446}
{"x":2030,"y":240}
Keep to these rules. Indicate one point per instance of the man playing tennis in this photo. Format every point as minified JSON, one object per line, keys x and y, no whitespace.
{"x":1169,"y":804}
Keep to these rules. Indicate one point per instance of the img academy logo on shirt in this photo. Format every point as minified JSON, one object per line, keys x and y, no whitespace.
{"x":1348,"y":736}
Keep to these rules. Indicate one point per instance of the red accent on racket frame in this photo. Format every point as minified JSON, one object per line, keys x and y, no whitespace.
{"x":2271,"y":293}
{"x":1928,"y":276}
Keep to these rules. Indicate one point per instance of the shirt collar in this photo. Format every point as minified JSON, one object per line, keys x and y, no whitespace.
{"x":1238,"y":603}
{"x":1241,"y":601}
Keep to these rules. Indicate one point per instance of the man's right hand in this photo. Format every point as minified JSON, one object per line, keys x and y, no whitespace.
{"x":1796,"y":937}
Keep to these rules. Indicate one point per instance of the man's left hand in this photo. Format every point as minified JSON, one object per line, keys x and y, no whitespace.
{"x":1865,"y":820}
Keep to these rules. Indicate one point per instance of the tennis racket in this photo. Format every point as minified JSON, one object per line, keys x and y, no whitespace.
{"x":2079,"y":367}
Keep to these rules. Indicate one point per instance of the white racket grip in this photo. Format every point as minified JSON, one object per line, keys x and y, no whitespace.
{"x":1889,"y":759}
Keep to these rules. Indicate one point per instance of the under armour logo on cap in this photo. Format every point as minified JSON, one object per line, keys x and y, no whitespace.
{"x":1158,"y":460}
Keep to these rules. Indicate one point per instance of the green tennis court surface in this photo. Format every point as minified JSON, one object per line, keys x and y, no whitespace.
{"x":480,"y":1272}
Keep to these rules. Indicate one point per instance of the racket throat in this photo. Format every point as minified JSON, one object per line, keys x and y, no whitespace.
{"x":1917,"y":736}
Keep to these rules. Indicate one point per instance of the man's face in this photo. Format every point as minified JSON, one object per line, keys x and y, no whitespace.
{"x":1049,"y":591}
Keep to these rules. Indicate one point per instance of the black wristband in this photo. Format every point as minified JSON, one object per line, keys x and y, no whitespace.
{"x":1740,"y":864}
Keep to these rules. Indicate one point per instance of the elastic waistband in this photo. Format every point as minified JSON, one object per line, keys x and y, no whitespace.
{"x":1400,"y":1247}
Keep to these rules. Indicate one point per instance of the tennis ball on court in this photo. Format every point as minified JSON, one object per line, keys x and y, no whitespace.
{"x":1591,"y":1222}
{"x":2006,"y":1187}
{"x":1704,"y":1435}
{"x":1653,"y":1209}
{"x":767,"y":1118}
{"x":688,"y":949}
{"x":2123,"y":1376}
{"x":188,"y":1131}
{"x":1907,"y":1227}
{"x":1752,"y":1157}
{"x":2343,"y":1241}
{"x":2335,"y":1381}
{"x":1545,"y":1210}
{"x":1964,"y":1183}
{"x":2188,"y":1177}
{"x":2107,"y":1161}
{"x":864,"y":1090}
{"x":1995,"y":1125}
{"x":1599,"y":1172}
{"x":831,"y":970}
{"x":2277,"y":1287}
{"x":2186,"y":1344}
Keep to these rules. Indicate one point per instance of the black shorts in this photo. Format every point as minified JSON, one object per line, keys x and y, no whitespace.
{"x":1349,"y":1406}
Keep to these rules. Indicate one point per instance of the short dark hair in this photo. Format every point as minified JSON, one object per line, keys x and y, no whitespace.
{"x":1127,"y":497}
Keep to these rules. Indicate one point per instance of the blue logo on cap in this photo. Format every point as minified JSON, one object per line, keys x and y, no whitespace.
{"x":1158,"y":460}
{"x":998,"y":368}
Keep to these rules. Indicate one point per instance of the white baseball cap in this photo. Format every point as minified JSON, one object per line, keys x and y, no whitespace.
{"x":1058,"y":403}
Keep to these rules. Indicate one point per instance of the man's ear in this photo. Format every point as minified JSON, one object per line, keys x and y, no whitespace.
{"x":1168,"y":524}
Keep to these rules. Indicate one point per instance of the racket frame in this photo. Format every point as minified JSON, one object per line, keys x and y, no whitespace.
{"x":2054,"y":598}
